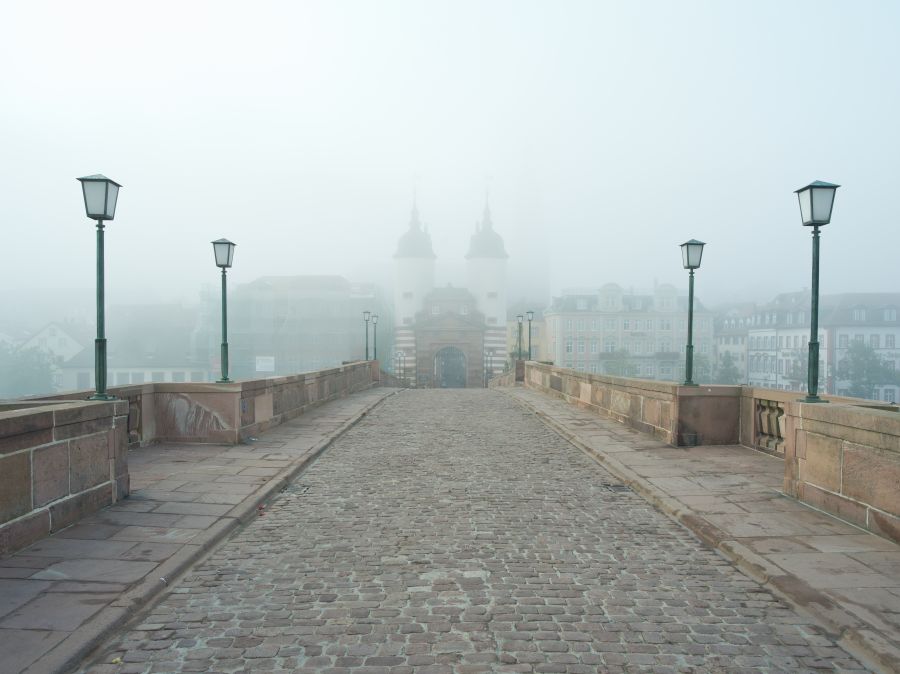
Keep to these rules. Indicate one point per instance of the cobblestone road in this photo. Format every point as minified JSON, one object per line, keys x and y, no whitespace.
{"x":450,"y":531}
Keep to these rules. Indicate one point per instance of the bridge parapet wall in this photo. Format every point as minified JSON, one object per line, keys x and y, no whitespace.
{"x":842,"y":457}
{"x":58,"y":462}
{"x":64,"y":457}
{"x":230,"y":412}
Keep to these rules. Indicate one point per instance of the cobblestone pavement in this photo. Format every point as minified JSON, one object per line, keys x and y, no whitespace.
{"x":450,"y":531}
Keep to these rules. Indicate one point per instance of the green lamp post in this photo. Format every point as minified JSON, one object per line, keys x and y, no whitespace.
{"x":816,"y":202}
{"x":100,"y":197}
{"x":519,"y":320}
{"x":530,"y":315}
{"x":691,"y":253}
{"x":224,"y":252}
{"x":366,"y":316}
{"x":374,"y":336}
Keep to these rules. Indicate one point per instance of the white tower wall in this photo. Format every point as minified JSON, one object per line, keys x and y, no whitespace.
{"x":414,"y":278}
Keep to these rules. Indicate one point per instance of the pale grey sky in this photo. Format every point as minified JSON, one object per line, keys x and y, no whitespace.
{"x":609,"y":132}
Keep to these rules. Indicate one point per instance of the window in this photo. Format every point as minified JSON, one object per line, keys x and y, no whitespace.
{"x":581,"y":324}
{"x":626,"y":324}
{"x":137,"y":377}
{"x":610,"y":324}
{"x":843,"y":341}
{"x":594,"y":325}
{"x":875,"y":341}
{"x":890,"y":315}
{"x":594,"y":346}
{"x":859,"y":339}
{"x":464,"y":310}
{"x":581,"y":345}
{"x":801,"y":317}
{"x":407,"y":320}
{"x":568,"y":346}
{"x":157,"y":376}
{"x":859,"y":314}
{"x":435,"y":309}
{"x":609,"y":345}
{"x":889,"y":341}
{"x":568,"y":324}
{"x":178,"y":377}
{"x":580,"y":305}
{"x":781,"y":342}
{"x":665,"y":324}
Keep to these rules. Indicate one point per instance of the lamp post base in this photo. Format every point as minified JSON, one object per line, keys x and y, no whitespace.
{"x":690,"y":383}
{"x":812,"y":399}
{"x":102,"y":396}
{"x":224,"y":380}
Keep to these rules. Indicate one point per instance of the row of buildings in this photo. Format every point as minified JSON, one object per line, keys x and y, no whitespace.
{"x":434,"y":334}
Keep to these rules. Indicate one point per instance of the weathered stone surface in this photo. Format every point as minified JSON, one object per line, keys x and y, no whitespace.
{"x":872,"y":476}
{"x":822,"y":464}
{"x":429,"y":539}
{"x":24,"y":531}
{"x":15,"y":485}
{"x":51,"y":473}
{"x":89,"y":460}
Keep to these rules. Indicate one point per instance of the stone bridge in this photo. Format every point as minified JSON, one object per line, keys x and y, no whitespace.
{"x":366,"y":529}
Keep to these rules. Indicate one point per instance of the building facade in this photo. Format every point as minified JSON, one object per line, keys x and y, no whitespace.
{"x":778,"y":340}
{"x":615,"y":332}
{"x":449,"y":337}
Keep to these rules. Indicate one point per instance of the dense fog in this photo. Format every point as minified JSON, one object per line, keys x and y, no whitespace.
{"x":602,"y":134}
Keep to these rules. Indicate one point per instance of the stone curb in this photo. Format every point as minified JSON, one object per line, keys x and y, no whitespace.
{"x":852,"y":634}
{"x":71,"y":651}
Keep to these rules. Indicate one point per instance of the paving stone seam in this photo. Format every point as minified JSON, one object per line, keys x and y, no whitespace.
{"x":72,"y":651}
{"x":868,"y":645}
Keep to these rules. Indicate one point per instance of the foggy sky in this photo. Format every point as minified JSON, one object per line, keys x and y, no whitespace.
{"x":606,"y":132}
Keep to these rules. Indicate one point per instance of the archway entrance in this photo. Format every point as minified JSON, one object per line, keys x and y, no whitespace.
{"x":450,"y":368}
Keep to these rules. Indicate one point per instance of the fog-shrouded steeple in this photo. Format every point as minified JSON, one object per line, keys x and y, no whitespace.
{"x":486,"y":272}
{"x":414,"y":269}
{"x":416,"y":241}
{"x":485,"y":241}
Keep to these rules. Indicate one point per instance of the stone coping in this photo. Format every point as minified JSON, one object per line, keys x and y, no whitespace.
{"x":846,"y":579}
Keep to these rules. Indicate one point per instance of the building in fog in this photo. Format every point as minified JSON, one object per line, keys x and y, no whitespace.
{"x":146,"y":343}
{"x":615,"y":332}
{"x":445,"y":336}
{"x":732,"y":327}
{"x":280,"y":325}
{"x":778,"y":339}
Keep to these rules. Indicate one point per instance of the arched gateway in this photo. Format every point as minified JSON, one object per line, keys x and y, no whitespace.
{"x":450,"y":368}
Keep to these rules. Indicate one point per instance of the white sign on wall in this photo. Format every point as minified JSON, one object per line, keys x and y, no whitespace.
{"x":265,"y":363}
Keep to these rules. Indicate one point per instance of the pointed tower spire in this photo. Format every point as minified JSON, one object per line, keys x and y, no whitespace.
{"x":486,"y":217}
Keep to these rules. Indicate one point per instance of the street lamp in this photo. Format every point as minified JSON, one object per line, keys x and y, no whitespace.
{"x":224,"y":253}
{"x":366,"y":316}
{"x":530,"y":315}
{"x":691,"y":252}
{"x":374,"y":336}
{"x":519,"y":320}
{"x":816,"y":202}
{"x":100,"y":197}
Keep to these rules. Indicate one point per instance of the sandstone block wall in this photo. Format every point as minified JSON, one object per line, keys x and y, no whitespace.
{"x":58,"y":462}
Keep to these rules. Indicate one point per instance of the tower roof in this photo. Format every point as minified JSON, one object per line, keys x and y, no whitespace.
{"x":485,"y":241}
{"x":415,"y":242}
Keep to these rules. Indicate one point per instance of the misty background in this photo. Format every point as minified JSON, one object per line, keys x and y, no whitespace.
{"x":606,"y":134}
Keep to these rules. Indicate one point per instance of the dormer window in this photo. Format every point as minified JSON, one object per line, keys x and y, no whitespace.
{"x":859,"y":314}
{"x":890,"y":315}
{"x":435,"y":310}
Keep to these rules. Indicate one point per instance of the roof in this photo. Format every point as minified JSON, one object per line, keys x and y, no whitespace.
{"x":415,"y":242}
{"x":485,"y":241}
